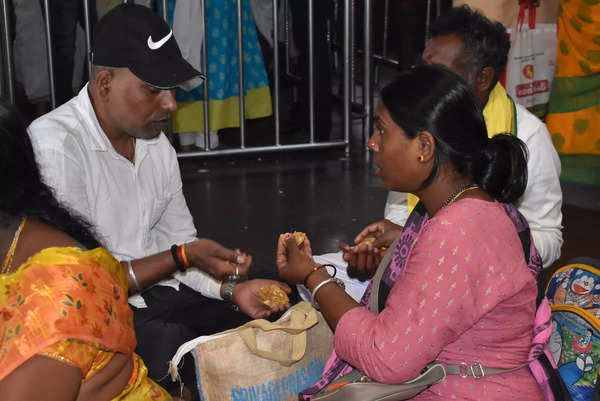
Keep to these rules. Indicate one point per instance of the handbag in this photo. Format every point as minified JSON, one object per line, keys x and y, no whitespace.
{"x":356,"y":386}
{"x":261,"y":359}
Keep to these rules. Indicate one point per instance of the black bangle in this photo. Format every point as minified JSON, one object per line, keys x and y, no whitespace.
{"x":334,"y":269}
{"x":176,"y":258}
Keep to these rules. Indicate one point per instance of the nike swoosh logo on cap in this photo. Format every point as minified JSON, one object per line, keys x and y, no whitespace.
{"x":157,"y":45}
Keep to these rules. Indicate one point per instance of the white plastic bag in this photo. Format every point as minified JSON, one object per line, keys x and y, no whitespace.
{"x":531,"y":62}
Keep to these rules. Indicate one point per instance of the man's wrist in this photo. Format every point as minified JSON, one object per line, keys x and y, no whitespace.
{"x":227,"y":292}
{"x":179,"y":257}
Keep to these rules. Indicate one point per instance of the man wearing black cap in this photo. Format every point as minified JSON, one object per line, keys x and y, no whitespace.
{"x":105,"y":155}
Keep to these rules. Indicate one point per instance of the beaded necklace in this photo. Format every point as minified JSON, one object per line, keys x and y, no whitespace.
{"x":458,"y":193}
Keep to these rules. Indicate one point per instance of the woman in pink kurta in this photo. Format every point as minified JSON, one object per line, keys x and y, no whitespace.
{"x":461,"y":286}
{"x":465,"y":295}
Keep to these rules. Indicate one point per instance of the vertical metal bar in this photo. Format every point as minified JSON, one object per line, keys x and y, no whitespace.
{"x":10,"y":79}
{"x":352,"y":53}
{"x":427,"y":21}
{"x":165,"y":10}
{"x":205,"y":84}
{"x":311,"y":69}
{"x":3,"y":61}
{"x":346,"y":65}
{"x":241,"y":75}
{"x":386,"y":25}
{"x":276,"y":69}
{"x":368,"y":78}
{"x":50,"y":55}
{"x":335,"y":37}
{"x":88,"y":41}
{"x":286,"y":12}
{"x":438,"y":8}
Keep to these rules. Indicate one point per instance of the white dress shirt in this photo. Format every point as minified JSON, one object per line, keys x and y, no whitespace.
{"x":138,"y":209}
{"x":541,"y":202}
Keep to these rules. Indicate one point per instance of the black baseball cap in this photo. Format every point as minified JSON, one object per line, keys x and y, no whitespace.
{"x":135,"y":37}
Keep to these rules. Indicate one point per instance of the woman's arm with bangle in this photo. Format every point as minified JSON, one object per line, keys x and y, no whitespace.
{"x":332,"y":299}
{"x":149,"y":270}
{"x":296,"y":266}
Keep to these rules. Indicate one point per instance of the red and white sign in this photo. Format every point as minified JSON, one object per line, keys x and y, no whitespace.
{"x":532,"y":88}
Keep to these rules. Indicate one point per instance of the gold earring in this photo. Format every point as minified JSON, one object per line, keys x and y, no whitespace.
{"x":421,"y":158}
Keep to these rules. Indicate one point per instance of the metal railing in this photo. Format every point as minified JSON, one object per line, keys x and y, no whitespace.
{"x":311,"y":144}
{"x":8,"y":57}
{"x":49,"y":51}
{"x":348,"y":64}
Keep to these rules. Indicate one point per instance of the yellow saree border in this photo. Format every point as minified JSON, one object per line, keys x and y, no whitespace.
{"x":189,"y":116}
{"x":140,"y":387}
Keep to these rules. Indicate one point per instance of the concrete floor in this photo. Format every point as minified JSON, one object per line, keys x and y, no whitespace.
{"x":246,"y":202}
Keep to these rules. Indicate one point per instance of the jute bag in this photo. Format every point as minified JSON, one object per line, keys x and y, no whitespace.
{"x":262,"y":360}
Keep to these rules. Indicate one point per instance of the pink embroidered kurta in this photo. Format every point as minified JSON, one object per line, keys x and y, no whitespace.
{"x":465,"y":295}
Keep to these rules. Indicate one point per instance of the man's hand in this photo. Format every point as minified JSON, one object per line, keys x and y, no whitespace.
{"x":217,"y":260}
{"x":294,"y":262}
{"x":245,"y":296}
{"x":364,"y":258}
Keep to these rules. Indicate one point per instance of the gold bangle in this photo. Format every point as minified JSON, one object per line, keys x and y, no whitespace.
{"x":317,"y":267}
{"x":314,"y":269}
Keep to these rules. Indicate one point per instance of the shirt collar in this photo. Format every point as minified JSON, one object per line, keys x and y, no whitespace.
{"x":100,"y":142}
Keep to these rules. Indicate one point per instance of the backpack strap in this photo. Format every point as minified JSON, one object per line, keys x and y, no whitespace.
{"x":585,"y":260}
{"x":555,"y":381}
{"x":596,"y":394}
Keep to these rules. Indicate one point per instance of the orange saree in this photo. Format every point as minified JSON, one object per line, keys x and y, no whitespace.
{"x":71,"y":305}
